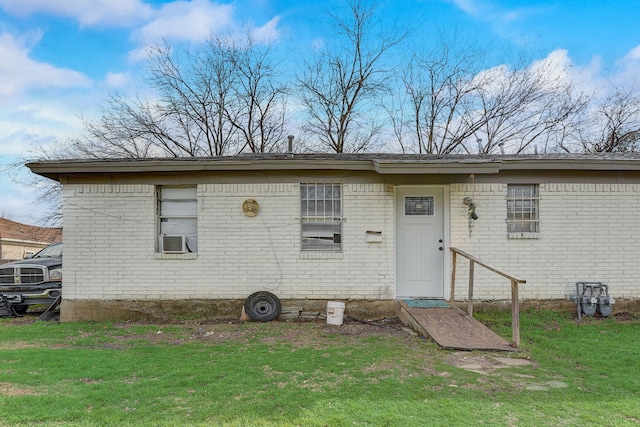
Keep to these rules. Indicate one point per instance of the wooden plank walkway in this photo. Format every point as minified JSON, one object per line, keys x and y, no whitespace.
{"x":451,"y":328}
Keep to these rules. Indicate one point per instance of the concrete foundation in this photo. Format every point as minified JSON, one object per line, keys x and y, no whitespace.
{"x":620,"y":306}
{"x":169,"y":311}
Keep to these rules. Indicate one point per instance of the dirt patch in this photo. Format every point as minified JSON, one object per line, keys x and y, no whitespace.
{"x":17,"y":345}
{"x":495,"y":375}
{"x":620,"y":316}
{"x":298,"y":333}
{"x":9,"y":389}
{"x":626,"y":317}
{"x":485,"y":364}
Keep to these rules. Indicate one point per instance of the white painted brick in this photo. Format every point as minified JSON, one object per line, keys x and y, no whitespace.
{"x":110,"y":234}
{"x":588,"y":232}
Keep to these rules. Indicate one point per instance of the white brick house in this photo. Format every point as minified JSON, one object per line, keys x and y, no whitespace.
{"x":369,"y":228}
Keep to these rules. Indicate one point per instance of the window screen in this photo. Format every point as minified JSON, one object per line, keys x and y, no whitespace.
{"x":321,"y":217}
{"x":522,"y":208}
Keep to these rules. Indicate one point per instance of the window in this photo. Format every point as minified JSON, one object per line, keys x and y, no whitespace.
{"x":321,"y":217}
{"x":177,"y":219}
{"x":424,"y":206}
{"x":522,"y":208}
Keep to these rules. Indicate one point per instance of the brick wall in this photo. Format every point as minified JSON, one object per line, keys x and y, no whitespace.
{"x":110,"y":245}
{"x":588,"y":232}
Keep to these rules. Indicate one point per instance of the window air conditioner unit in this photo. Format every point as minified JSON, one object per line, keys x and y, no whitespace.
{"x":174,"y":244}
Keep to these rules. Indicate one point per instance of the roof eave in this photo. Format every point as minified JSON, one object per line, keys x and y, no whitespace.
{"x":435,"y":168}
{"x":570,"y":164}
{"x":54,"y":169}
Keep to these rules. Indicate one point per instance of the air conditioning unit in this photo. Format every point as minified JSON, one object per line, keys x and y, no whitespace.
{"x":174,"y":244}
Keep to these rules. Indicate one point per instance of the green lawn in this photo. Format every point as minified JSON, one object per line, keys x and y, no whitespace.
{"x":313,"y":374}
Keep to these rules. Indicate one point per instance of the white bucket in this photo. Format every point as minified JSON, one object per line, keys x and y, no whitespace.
{"x":335,"y":312}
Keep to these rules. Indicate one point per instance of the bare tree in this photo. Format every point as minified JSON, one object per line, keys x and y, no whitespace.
{"x":613,"y":125}
{"x":219,"y":99}
{"x":48,"y":192}
{"x":340,"y":89}
{"x":454,"y":101}
{"x":260,"y":99}
{"x":439,"y":90}
{"x":526,"y":106}
{"x":118,"y":132}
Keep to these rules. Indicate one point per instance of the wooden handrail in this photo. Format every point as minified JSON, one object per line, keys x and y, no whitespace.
{"x":515,"y":305}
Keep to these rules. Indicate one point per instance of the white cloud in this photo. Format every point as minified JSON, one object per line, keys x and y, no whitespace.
{"x":19,"y":202}
{"x":558,"y":67}
{"x":29,"y":131}
{"x":18,"y":72}
{"x":196,"y":21}
{"x":30,"y":127}
{"x":86,"y":12}
{"x":630,"y":63}
{"x":472,"y":7}
{"x":318,"y":44}
{"x":13,"y":143}
{"x":188,"y":20}
{"x":627,"y":70}
{"x":116,"y":80}
{"x":505,"y":20}
{"x":268,"y":32}
{"x":184,"y":20}
{"x":633,"y":55}
{"x":593,"y":78}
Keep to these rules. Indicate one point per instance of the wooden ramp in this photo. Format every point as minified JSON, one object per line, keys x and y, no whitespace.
{"x":451,"y":328}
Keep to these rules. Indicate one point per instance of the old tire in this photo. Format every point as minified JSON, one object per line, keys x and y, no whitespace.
{"x":262,"y":306}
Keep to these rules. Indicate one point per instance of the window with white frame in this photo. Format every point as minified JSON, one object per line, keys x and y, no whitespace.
{"x":321,"y":217}
{"x":523,"y":208}
{"x":177,"y":209}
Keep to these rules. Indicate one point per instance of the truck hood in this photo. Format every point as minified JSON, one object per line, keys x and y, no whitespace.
{"x":47,"y":262}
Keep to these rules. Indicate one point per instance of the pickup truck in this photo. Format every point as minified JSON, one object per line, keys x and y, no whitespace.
{"x":34,"y":280}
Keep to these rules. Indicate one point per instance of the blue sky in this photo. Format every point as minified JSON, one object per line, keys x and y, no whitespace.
{"x":60,"y":58}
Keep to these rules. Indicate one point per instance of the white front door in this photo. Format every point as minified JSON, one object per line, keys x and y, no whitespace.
{"x":420,"y":242}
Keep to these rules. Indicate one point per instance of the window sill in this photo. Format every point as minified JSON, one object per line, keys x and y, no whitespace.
{"x":189,"y":255}
{"x":321,"y":255}
{"x":523,"y":235}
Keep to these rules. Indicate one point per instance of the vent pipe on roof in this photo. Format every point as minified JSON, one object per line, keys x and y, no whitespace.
{"x":290,"y":146}
{"x":479,"y":141}
{"x":501,"y":144}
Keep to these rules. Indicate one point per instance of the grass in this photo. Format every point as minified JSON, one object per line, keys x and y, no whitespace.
{"x":312,"y":374}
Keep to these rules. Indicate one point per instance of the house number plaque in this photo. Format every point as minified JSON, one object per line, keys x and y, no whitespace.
{"x":250,"y":207}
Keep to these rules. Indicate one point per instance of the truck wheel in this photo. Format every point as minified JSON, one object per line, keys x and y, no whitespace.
{"x":20,"y":309}
{"x":262,"y":306}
